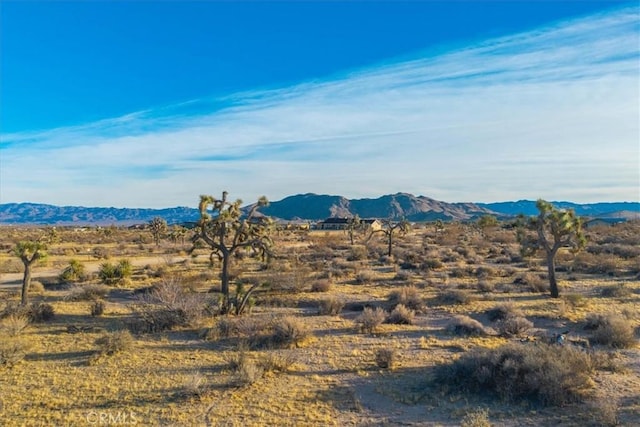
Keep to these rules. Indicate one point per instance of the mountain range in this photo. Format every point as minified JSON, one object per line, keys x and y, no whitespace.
{"x":310,"y":207}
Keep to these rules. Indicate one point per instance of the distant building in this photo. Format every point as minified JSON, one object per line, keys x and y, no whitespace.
{"x":343,"y":224}
{"x":599,"y":222}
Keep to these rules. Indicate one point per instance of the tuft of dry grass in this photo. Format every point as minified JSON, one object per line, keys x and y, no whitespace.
{"x":14,"y":324}
{"x":371,"y":319}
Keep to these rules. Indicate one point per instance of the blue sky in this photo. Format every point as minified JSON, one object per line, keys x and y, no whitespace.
{"x":149,"y":104}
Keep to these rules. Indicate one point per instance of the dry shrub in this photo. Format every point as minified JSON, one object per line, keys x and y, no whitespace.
{"x":616,"y":291}
{"x":465,"y":326}
{"x":401,"y":315}
{"x":97,"y":308}
{"x":40,"y":312}
{"x":247,"y":374}
{"x":289,"y":331}
{"x":533,"y":281}
{"x":386,"y":358}
{"x":14,"y":324}
{"x":476,"y":418}
{"x":365,"y":276}
{"x":277,"y":362}
{"x":322,"y":285}
{"x":36,"y":288}
{"x":545,"y":374}
{"x":166,"y":306}
{"x":503,"y":311}
{"x":454,"y":297}
{"x":514,"y":326}
{"x":409,"y":296}
{"x":195,"y":385}
{"x":90,"y":292}
{"x":370,"y":319}
{"x":485,"y":286}
{"x":575,"y":300}
{"x":114,"y":342}
{"x":12,"y":351}
{"x":331,"y":306}
{"x":611,"y":330}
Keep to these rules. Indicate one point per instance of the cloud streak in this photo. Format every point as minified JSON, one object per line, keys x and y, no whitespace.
{"x":550,"y":113}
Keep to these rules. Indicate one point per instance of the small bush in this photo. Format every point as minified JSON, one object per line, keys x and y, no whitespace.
{"x":546,"y":374}
{"x":486,"y":286}
{"x":111,"y":274}
{"x":40,"y":312}
{"x":12,"y":352}
{"x":477,"y":418}
{"x":277,"y":362}
{"x":370,"y":319}
{"x":14,"y":324}
{"x":36,"y":288}
{"x":616,"y":291}
{"x":289,"y":331}
{"x":114,"y":342}
{"x":195,"y":385}
{"x":612,"y":330}
{"x":322,"y":285}
{"x":514,"y":326}
{"x":575,"y":300}
{"x":408,"y":296}
{"x":401,"y":315}
{"x":386,"y":358}
{"x":331,"y":306}
{"x":74,"y":272}
{"x":466,"y":326}
{"x":365,"y":276}
{"x":97,"y":308}
{"x":502,"y":311}
{"x":454,"y":297}
{"x":247,"y":374}
{"x":533,"y":281}
{"x":90,"y":292}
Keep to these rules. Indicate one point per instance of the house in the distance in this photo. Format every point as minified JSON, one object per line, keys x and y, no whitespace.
{"x":343,"y":223}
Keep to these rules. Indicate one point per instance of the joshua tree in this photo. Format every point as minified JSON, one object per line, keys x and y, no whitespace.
{"x":554,"y":229}
{"x":29,"y":252}
{"x":226,"y":232}
{"x":158,"y":228}
{"x":390,"y":228}
{"x":353,"y":224}
{"x":177,"y":232}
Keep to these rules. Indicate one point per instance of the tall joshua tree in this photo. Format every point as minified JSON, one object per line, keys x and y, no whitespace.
{"x":553,"y":229}
{"x":353,"y":224}
{"x":225,"y":231}
{"x":29,"y":252}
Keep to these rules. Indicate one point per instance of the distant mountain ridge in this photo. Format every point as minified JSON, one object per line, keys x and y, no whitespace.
{"x":308,"y":206}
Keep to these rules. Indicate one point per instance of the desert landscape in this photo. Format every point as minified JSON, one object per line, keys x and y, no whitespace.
{"x":456,"y":326}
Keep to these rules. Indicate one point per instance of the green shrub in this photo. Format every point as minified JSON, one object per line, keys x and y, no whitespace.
{"x":111,"y":274}
{"x":74,"y":272}
{"x":546,"y":374}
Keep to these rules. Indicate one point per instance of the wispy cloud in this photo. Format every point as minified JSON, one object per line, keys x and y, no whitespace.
{"x":549,"y":113}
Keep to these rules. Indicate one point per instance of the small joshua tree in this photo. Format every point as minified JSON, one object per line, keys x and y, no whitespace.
{"x":158,"y":228}
{"x":29,"y":252}
{"x":353,"y":224}
{"x":225,"y":232}
{"x":390,"y":228}
{"x":554,"y":229}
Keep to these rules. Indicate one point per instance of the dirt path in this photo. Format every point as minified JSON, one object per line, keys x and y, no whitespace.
{"x":11,"y":280}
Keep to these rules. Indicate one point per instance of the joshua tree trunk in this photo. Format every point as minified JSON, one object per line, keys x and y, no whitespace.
{"x":551,"y":267}
{"x":26,"y":282}
{"x":224,"y":279}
